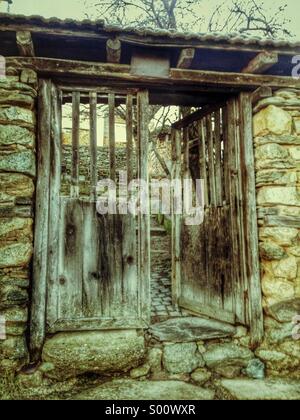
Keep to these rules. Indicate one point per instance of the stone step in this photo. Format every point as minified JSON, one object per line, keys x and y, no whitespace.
{"x":190,"y":329}
{"x":127,"y":389}
{"x":267,"y":389}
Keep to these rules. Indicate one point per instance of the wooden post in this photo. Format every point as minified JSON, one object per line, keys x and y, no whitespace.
{"x":25,"y":44}
{"x":250,"y":220}
{"x":75,"y":144}
{"x":93,"y":144}
{"x":40,"y":258}
{"x":144,"y":219}
{"x":176,"y":218}
{"x":54,"y":206}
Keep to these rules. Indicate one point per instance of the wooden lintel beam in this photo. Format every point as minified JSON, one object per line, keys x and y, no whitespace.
{"x":261,"y":93}
{"x":261,"y":63}
{"x":177,"y":77}
{"x":186,"y":57}
{"x":113,"y":50}
{"x":25,"y":44}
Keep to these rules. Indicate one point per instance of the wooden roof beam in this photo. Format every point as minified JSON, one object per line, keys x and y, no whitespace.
{"x":113,"y":50}
{"x":261,"y":93}
{"x":186,"y":58}
{"x":25,"y":44}
{"x":261,"y":63}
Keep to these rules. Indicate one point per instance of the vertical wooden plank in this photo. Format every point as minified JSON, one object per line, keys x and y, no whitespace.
{"x":176,"y":219}
{"x":186,"y":153}
{"x":129,"y":136}
{"x":39,"y":287}
{"x":93,"y":144}
{"x":71,"y":254}
{"x":242,"y":285}
{"x":225,"y":155}
{"x":232,"y":294}
{"x":250,"y":221}
{"x":202,"y":157}
{"x":211,"y":161}
{"x":217,"y":137}
{"x":54,"y":206}
{"x":144,"y":223}
{"x":75,"y":144}
{"x":112,"y":139}
{"x":129,"y":248}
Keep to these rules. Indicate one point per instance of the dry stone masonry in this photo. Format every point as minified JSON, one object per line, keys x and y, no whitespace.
{"x":17,"y":186}
{"x":277,"y":152}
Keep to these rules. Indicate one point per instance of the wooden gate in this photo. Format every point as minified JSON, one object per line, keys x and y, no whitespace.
{"x":215,"y":265}
{"x":91,"y":271}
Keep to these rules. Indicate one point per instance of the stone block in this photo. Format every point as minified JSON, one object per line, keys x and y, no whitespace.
{"x":20,"y":162}
{"x":283,"y":236}
{"x":16,"y":230}
{"x":181,"y":358}
{"x":220,"y":356}
{"x":102,"y":352}
{"x":13,"y":136}
{"x":288,"y":196}
{"x":15,"y":115}
{"x":272,"y":120}
{"x":16,"y":255}
{"x":13,"y":186}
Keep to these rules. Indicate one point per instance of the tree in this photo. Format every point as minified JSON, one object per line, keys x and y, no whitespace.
{"x":249,"y":17}
{"x":244,"y":16}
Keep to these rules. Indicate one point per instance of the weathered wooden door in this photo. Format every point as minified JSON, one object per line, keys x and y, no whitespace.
{"x":92,"y":270}
{"x":215,"y":271}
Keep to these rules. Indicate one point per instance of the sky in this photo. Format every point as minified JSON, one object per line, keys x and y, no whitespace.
{"x":76,"y":9}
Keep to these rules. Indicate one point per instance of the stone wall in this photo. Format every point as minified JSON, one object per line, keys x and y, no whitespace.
{"x":17,"y":175}
{"x":277,"y":152}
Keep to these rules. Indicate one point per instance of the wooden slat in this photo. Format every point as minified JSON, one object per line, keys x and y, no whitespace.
{"x":54,"y":205}
{"x":261,"y":63}
{"x":186,"y":152}
{"x":25,"y":44}
{"x":129,"y":136}
{"x":75,"y":144}
{"x":112,"y":139}
{"x":217,"y":138}
{"x":176,"y":219}
{"x":40,"y":258}
{"x":202,"y":157}
{"x":93,"y":144}
{"x":231,"y":293}
{"x":144,"y":219}
{"x":250,"y":221}
{"x":211,"y":161}
{"x":71,"y":256}
{"x":226,"y":172}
